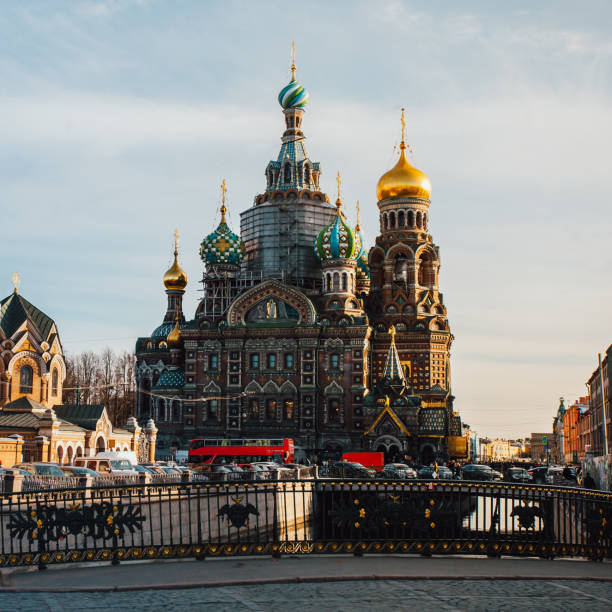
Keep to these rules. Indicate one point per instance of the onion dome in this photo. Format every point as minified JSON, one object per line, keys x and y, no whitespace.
{"x":403,"y":179}
{"x":337,"y":240}
{"x":175,"y":278}
{"x":174,"y":337}
{"x":222,"y":246}
{"x":293,"y":95}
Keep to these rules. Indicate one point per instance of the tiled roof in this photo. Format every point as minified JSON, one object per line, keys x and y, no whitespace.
{"x":18,"y":420}
{"x":393,"y":367}
{"x":86,"y":416}
{"x":24,"y":404}
{"x":15,"y":309}
{"x":67,"y":426}
{"x":171,"y":379}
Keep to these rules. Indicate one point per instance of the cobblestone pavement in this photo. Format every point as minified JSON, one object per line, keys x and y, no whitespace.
{"x":472,"y":595}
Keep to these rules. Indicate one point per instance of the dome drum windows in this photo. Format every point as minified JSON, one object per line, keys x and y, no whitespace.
{"x":26,"y":379}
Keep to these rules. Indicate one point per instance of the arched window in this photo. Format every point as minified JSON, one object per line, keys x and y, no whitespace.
{"x":336,"y":286}
{"x":287,"y":173}
{"x":270,"y":177}
{"x":334,"y":361}
{"x":333,"y":409}
{"x":253,"y":408}
{"x":410,"y":218}
{"x":26,"y":378}
{"x":425,"y":221}
{"x":287,"y":409}
{"x":400,"y":218}
{"x":344,"y":282}
{"x":212,"y":408}
{"x":423,"y":271}
{"x":328,"y":277}
{"x":392,"y":220}
{"x":385,"y":221}
{"x":270,"y":409}
{"x":307,"y":174}
{"x":54,"y":381}
{"x":419,"y":219}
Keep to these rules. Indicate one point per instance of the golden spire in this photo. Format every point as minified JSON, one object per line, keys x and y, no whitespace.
{"x":223,"y":208}
{"x":16,"y":280}
{"x":339,"y":183}
{"x":357,"y":227}
{"x":176,"y":236}
{"x":292,"y":61}
{"x":403,"y":143}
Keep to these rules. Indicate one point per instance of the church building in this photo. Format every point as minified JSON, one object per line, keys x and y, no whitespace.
{"x":303,"y":331}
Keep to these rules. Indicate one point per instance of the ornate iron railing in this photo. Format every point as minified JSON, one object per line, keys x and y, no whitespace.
{"x":313,"y":515}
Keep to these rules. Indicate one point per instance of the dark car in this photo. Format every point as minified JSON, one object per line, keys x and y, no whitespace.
{"x":476,"y":471}
{"x":541,"y":475}
{"x":515,"y":474}
{"x":428,"y":473}
{"x":397,"y":470}
{"x":350,"y":469}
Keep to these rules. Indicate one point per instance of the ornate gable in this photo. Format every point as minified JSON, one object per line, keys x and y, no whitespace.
{"x":271,"y":302}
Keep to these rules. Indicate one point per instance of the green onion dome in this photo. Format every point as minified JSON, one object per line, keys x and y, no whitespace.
{"x":293,"y":95}
{"x":222,"y":246}
{"x":337,"y":240}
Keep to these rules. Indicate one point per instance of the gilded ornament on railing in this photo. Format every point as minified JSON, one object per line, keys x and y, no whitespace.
{"x":51,"y":524}
{"x":527,"y":515}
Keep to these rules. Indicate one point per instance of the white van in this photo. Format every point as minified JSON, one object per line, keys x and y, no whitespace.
{"x":113,"y":462}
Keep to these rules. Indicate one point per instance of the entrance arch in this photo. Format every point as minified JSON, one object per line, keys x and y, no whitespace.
{"x":390,"y":445}
{"x":60,"y":455}
{"x":428,"y":454}
{"x":100,"y":445}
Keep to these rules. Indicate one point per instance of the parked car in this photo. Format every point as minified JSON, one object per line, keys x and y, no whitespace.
{"x":143,"y":469}
{"x":256,"y":472}
{"x":351,"y":469}
{"x":516,"y":474}
{"x":41,"y":469}
{"x":105,"y":465}
{"x":477,"y":471}
{"x":75,"y":470}
{"x":398,"y":470}
{"x":13,"y":469}
{"x":427,"y":473}
{"x":541,"y":475}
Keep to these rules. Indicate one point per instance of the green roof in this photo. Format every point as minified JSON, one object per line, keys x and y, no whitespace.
{"x":15,"y":309}
{"x":86,"y":416}
{"x":24,"y":404}
{"x":18,"y":420}
{"x":171,"y":379}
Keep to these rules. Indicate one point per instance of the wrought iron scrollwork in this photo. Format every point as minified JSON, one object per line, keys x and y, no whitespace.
{"x":527,"y":515}
{"x":50,"y":523}
{"x":405,"y":514}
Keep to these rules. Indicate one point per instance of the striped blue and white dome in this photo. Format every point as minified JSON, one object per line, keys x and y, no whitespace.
{"x":363,"y":268}
{"x":293,"y":96}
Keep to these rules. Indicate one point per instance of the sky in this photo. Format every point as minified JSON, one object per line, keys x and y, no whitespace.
{"x":120,"y":118}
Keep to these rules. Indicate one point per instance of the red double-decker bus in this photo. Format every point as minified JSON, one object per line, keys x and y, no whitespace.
{"x":207,"y":451}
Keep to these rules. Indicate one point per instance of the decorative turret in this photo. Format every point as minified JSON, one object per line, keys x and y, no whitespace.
{"x":222,"y":247}
{"x":175,"y":281}
{"x":337,"y":247}
{"x":363,"y":269}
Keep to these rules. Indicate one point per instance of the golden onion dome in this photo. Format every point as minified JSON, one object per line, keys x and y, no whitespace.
{"x":174,"y":337}
{"x":175,"y":278}
{"x":403,"y":179}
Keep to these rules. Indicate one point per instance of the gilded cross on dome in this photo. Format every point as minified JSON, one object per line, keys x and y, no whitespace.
{"x":292,"y":61}
{"x":16,"y":280}
{"x":357,"y":227}
{"x":223,"y":209}
{"x":403,"y":144}
{"x":176,"y":237}
{"x":223,"y":244}
{"x":339,"y":182}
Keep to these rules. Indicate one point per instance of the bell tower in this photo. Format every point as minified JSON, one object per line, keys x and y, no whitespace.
{"x":404,"y":266}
